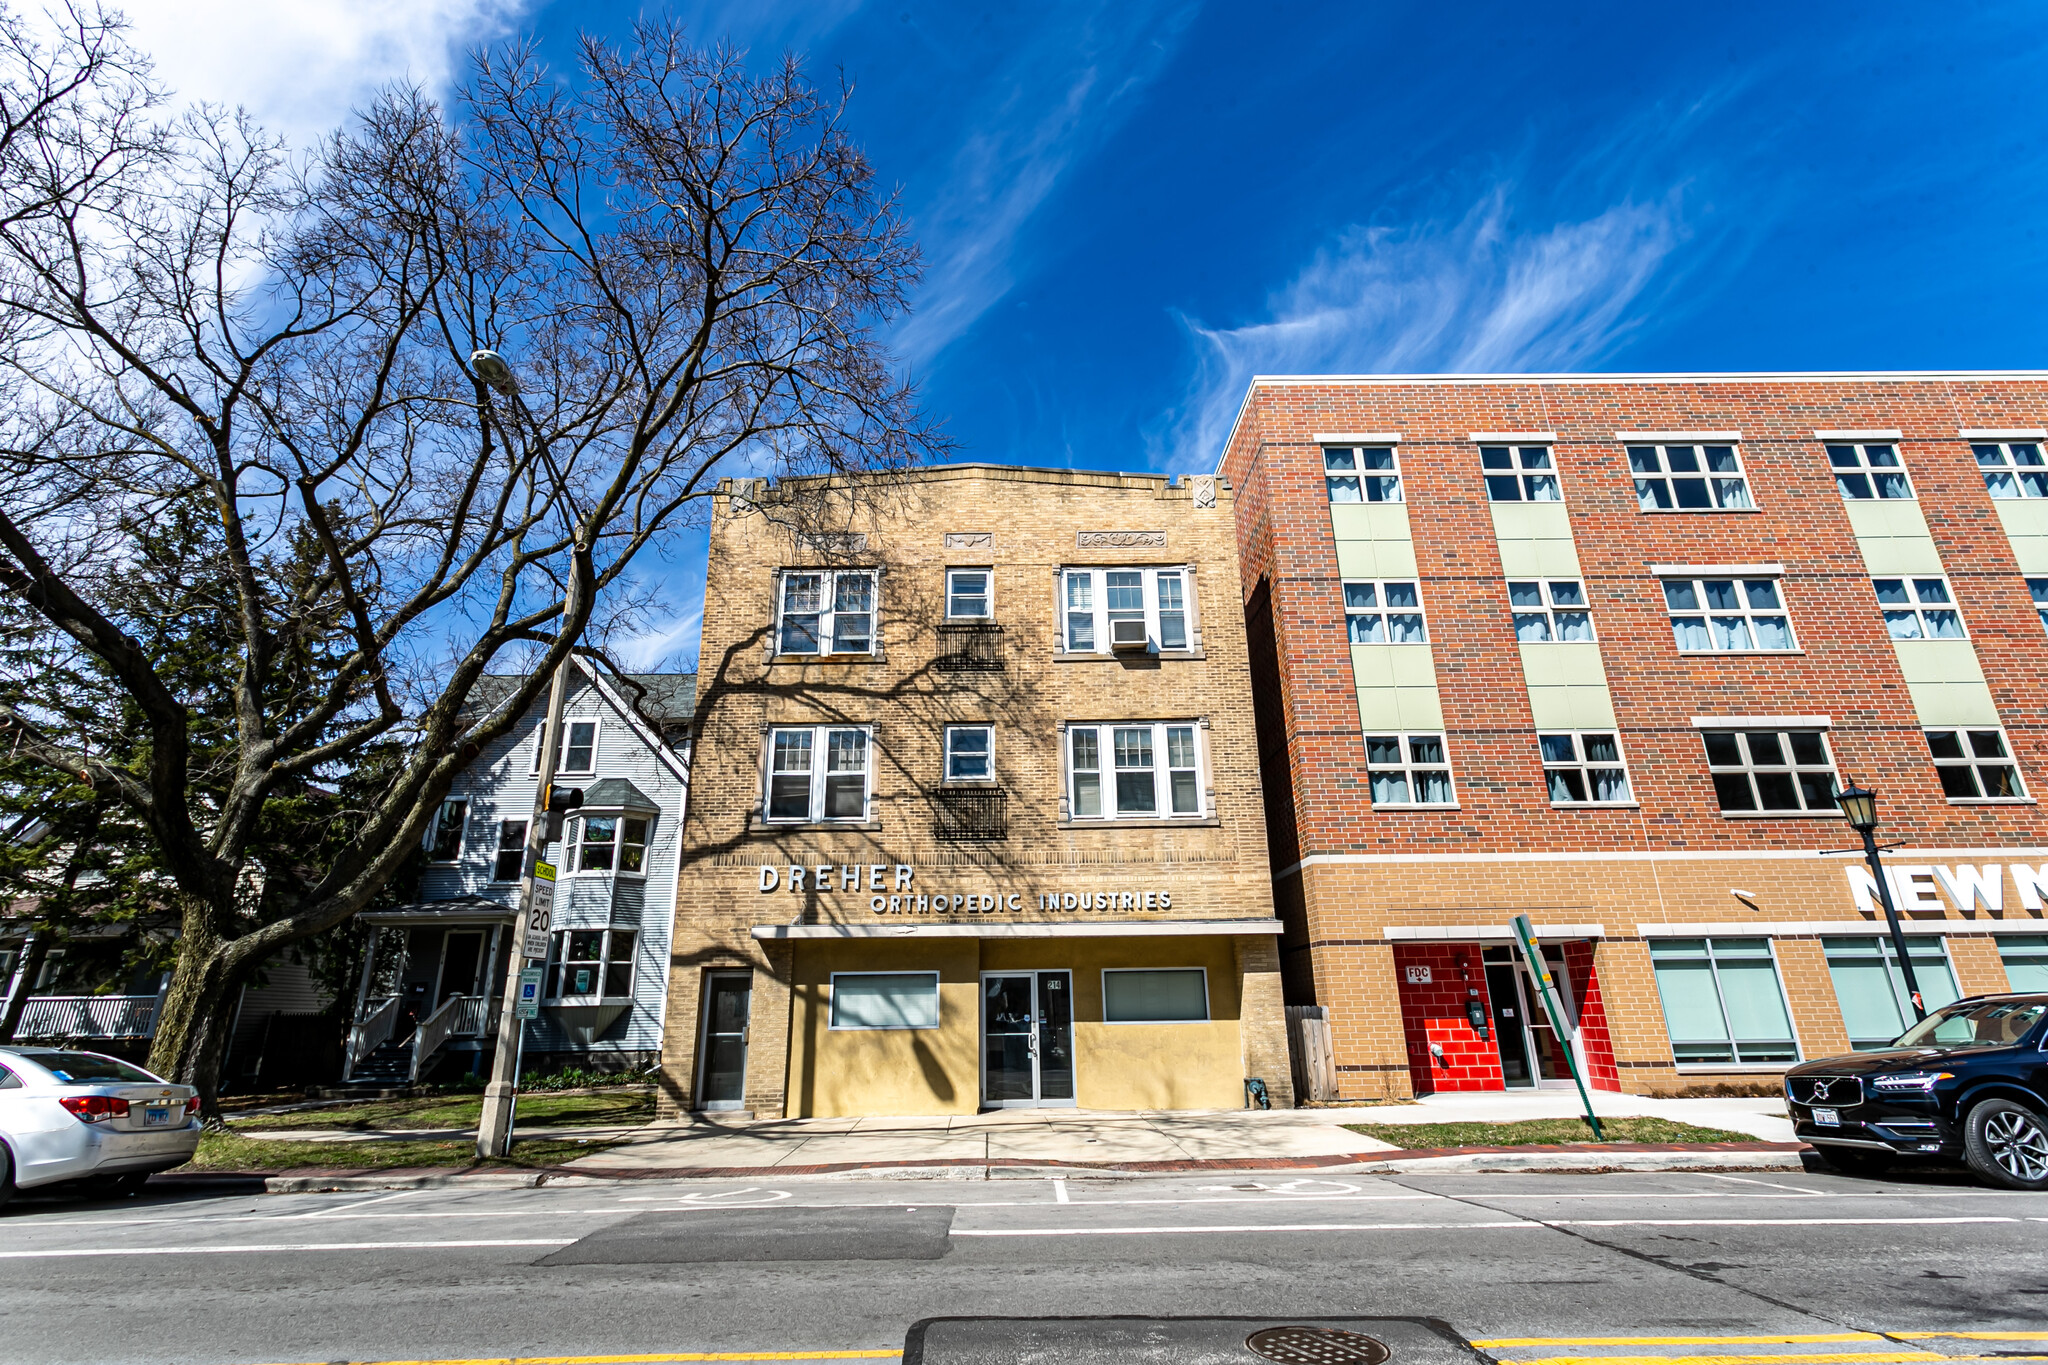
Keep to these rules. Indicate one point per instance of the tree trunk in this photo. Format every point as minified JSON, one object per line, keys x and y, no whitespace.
{"x":190,"y":1029}
{"x":33,"y":956}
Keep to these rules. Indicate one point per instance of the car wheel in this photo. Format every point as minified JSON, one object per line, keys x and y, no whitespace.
{"x":2007,"y":1144}
{"x":6,"y":1174}
{"x":130,"y":1185}
{"x":1856,"y":1160}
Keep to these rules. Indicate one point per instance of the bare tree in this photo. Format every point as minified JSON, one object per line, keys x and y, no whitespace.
{"x":685,"y":264}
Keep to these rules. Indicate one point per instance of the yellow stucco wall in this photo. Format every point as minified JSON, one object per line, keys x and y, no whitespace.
{"x":937,"y":1071}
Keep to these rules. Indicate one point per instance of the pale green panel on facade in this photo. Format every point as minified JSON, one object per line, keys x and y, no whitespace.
{"x":1571,"y":708}
{"x":1563,"y":665}
{"x":1396,"y":687}
{"x":1893,"y":536}
{"x":1535,"y":540}
{"x":1946,"y":682}
{"x":1369,"y":520}
{"x":1376,"y":558}
{"x":2026,"y":526}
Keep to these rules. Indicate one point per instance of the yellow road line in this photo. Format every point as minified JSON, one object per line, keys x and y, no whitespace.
{"x":1782,"y":1338}
{"x":1970,"y":1336}
{"x":660,"y":1358}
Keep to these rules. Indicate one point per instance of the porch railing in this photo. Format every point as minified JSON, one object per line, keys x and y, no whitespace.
{"x":970,"y":814}
{"x":459,"y":1014}
{"x":970,"y":647}
{"x":479,"y":1016}
{"x":88,"y":1016}
{"x":370,"y":1034}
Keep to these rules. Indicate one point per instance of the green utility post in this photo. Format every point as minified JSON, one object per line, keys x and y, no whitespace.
{"x":1525,"y":934}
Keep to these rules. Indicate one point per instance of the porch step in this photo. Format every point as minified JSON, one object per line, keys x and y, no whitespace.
{"x":390,"y":1064}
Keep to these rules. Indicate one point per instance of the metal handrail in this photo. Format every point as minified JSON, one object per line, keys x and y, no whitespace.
{"x":434,"y":1030}
{"x":88,"y":1016}
{"x":371,"y":1034}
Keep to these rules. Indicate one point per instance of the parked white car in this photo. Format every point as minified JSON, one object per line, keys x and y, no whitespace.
{"x":68,"y":1115}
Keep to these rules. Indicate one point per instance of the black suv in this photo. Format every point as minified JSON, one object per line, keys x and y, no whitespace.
{"x":1969,"y":1081}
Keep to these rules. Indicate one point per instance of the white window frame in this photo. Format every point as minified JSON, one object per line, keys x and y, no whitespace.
{"x":946,"y":757}
{"x":1998,"y":460}
{"x":1712,"y":481}
{"x":1408,"y":767}
{"x":938,"y":997}
{"x":814,"y":810}
{"x":1584,"y":766}
{"x":828,"y":613}
{"x":558,"y":964}
{"x":518,"y":850}
{"x":1735,"y":1061}
{"x":440,"y":822}
{"x":1849,"y":460}
{"x":1381,"y":611}
{"x":988,"y":592}
{"x":1097,"y":611}
{"x":1509,"y":464}
{"x":1967,"y":738}
{"x":1382,"y":475}
{"x":1208,"y":1006}
{"x":1749,"y":767}
{"x":2037,"y":588}
{"x":580,"y":825}
{"x":563,"y":768}
{"x":1547,"y":610}
{"x":1105,"y":771}
{"x":1916,"y":608}
{"x":1749,"y":614}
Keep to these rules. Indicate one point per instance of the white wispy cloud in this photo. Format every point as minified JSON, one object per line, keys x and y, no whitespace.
{"x":299,"y":66}
{"x":1051,"y":103}
{"x":1470,"y":296}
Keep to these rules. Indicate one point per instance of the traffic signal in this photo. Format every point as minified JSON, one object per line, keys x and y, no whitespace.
{"x":559,"y":802}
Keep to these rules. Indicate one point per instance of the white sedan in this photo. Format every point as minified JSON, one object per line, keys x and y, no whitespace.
{"x":68,"y":1115}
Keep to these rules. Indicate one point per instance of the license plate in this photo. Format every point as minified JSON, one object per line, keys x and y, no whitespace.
{"x":156,"y":1117}
{"x":1828,"y":1118}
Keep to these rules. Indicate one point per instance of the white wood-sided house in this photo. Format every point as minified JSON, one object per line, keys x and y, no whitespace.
{"x":434,"y":975}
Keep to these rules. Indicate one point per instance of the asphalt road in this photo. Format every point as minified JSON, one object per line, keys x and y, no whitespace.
{"x":1681,"y":1266}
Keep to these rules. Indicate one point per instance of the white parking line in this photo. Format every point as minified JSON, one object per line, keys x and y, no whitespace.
{"x":1151,"y":1230}
{"x":269,"y":1248}
{"x":1751,"y":1180}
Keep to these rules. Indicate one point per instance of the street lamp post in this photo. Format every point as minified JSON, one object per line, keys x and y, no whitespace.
{"x":1859,"y":804}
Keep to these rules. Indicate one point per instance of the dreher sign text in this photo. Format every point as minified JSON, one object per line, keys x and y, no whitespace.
{"x":890,"y":890}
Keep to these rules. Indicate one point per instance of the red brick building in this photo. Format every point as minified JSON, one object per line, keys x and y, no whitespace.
{"x":1599,"y":649}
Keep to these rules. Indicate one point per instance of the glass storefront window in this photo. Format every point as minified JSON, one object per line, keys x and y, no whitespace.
{"x":1872,"y":992}
{"x":885,"y":1000}
{"x":2026,"y":961}
{"x":1171,"y":995}
{"x":1723,"y":1001}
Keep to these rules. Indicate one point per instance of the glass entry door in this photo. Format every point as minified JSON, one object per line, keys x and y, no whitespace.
{"x":1531,"y":1051}
{"x":723,"y":1078}
{"x":1027,"y":1039}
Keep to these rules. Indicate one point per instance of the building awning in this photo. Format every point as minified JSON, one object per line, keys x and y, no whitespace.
{"x":1035,"y":929}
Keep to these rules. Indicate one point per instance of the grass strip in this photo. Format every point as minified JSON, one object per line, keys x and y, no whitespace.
{"x":233,"y":1152}
{"x":1529,"y":1132}
{"x":605,"y":1108}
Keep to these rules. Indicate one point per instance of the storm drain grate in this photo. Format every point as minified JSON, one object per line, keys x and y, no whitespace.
{"x":1316,"y":1346}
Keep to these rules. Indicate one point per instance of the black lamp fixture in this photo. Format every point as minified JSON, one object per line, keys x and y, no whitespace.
{"x":1859,"y":804}
{"x":1859,"y":807}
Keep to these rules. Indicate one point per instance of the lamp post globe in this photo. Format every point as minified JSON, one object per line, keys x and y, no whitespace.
{"x":1859,"y":804}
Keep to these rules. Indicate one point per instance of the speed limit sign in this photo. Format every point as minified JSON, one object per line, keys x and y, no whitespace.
{"x":540,"y":909}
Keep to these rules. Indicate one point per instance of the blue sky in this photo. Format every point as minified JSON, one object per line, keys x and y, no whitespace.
{"x":1129,"y":208}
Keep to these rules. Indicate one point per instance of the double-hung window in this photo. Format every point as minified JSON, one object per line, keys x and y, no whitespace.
{"x":1690,"y":478}
{"x":444,"y":836}
{"x":967,"y":594}
{"x":605,"y":842}
{"x":591,"y":964}
{"x":2038,"y":588}
{"x":1727,"y":615}
{"x":510,"y":864}
{"x":1975,"y":765}
{"x":2012,"y":469}
{"x":1384,"y":612}
{"x":579,"y":747}
{"x":1771,"y":770}
{"x":1918,"y":608}
{"x":1093,"y":600}
{"x":1872,"y":991}
{"x":818,"y":772}
{"x":1550,"y":610}
{"x":968,"y":757}
{"x":827,"y":611}
{"x":1362,"y":473}
{"x":1723,"y":1001}
{"x":1584,"y":768}
{"x":1519,"y":474}
{"x":1138,"y":771}
{"x":1408,"y":770}
{"x":1868,"y":470}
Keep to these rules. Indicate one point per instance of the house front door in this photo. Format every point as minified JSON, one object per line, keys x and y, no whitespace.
{"x":722,"y":1079}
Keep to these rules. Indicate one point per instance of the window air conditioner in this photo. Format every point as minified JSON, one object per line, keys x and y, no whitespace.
{"x":1127,"y":635}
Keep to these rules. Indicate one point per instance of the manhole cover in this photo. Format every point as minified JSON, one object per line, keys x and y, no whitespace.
{"x":1316,"y":1346}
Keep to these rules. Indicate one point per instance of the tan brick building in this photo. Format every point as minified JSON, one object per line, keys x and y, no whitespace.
{"x":974,"y":812}
{"x":1599,"y":649}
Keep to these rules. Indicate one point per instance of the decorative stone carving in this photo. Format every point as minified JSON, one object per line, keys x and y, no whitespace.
{"x":1119,"y":540}
{"x":835,"y":542}
{"x":970,"y":540}
{"x":1205,"y":490}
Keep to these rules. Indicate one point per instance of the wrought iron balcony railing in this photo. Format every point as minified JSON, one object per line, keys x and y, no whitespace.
{"x":970,"y":647}
{"x":970,"y":814}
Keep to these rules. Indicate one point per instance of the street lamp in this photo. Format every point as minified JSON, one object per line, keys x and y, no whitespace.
{"x":1859,"y":804}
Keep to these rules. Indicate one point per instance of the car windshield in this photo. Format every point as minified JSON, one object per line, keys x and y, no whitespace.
{"x":86,"y":1068}
{"x":1992,"y":1021}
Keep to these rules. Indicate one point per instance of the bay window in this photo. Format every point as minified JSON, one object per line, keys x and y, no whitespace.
{"x":605,"y":842}
{"x":590,"y":964}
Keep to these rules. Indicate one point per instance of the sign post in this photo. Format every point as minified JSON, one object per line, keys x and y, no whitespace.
{"x":1532,"y":953}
